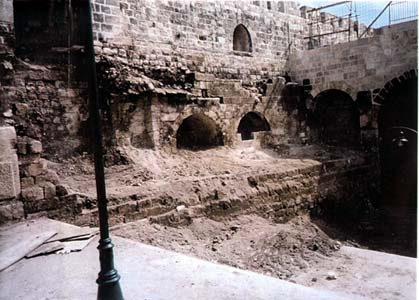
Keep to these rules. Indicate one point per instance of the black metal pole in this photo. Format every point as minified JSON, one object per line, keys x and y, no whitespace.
{"x":108,"y":279}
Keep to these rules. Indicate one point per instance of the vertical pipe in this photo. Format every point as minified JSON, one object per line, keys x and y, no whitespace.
{"x":108,"y":278}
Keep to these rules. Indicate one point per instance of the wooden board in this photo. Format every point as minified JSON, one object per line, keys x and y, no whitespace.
{"x":46,"y":249}
{"x":13,"y":248}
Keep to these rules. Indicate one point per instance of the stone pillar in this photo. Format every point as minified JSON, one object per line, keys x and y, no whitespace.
{"x":11,"y":208}
{"x":6,"y":26}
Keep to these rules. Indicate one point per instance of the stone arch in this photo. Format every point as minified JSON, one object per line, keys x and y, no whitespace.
{"x":197,"y":132}
{"x":252,"y":122}
{"x":241,"y":39}
{"x":335,"y":119}
{"x":397,"y":131}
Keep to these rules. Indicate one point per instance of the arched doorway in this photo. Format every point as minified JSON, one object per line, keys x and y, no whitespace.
{"x":397,"y":129}
{"x":252,"y":122}
{"x":241,"y":39}
{"x":198,"y":132}
{"x":335,"y":120}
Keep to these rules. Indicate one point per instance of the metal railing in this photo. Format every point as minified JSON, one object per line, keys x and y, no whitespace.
{"x":343,"y":21}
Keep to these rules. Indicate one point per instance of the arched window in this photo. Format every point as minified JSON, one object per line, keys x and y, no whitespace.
{"x":198,"y":132}
{"x":241,"y":39}
{"x":250,"y":123}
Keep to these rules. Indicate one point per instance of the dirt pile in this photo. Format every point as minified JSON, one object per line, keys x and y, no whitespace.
{"x":247,"y":242}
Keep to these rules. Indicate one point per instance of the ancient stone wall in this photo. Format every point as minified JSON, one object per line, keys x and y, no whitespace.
{"x":361,"y":69}
{"x":276,"y":195}
{"x":360,"y":65}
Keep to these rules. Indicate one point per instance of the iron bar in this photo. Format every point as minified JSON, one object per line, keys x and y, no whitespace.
{"x":376,"y":18}
{"x":108,"y":277}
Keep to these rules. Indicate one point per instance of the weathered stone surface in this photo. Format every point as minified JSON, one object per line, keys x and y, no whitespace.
{"x":48,"y":176}
{"x":26,"y":182}
{"x":7,"y":185}
{"x":62,"y":189}
{"x":35,"y":146}
{"x":9,"y":177}
{"x":11,"y":211}
{"x":35,"y":169}
{"x":33,"y":193}
{"x":49,"y":189}
{"x":7,"y":141}
{"x":22,"y":109}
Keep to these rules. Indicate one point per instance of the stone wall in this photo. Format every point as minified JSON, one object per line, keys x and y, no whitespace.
{"x":361,"y":69}
{"x":361,"y":65}
{"x":43,"y":105}
{"x":276,"y":195}
{"x":199,"y":35}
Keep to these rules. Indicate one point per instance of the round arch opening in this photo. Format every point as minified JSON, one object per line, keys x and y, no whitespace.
{"x":198,"y":132}
{"x":241,"y":39}
{"x":335,"y":119}
{"x":252,"y":122}
{"x":397,"y":130}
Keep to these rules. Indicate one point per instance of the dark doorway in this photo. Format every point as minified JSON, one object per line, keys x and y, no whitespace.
{"x":250,"y":123}
{"x":397,"y":126}
{"x":241,"y":39}
{"x":198,"y":132}
{"x":335,"y":120}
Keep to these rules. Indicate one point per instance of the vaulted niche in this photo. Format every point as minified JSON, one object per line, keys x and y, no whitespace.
{"x":397,"y":129}
{"x":241,"y":39}
{"x":336,"y":119}
{"x":198,"y":132}
{"x":252,"y":122}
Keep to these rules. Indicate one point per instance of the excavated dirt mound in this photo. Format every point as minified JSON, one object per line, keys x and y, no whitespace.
{"x":247,"y":242}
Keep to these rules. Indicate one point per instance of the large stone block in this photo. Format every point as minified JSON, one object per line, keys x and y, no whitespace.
{"x":7,"y":141}
{"x":49,"y":190}
{"x":33,"y":193}
{"x":11,"y":210}
{"x":9,"y":178}
{"x":35,"y":146}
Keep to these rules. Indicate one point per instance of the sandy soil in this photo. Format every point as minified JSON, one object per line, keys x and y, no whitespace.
{"x":153,"y":168}
{"x":247,"y":242}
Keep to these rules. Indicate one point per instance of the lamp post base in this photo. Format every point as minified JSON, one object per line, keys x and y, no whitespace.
{"x":110,"y":291}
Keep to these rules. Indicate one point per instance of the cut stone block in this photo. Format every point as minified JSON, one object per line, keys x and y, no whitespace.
{"x":27,"y":182}
{"x":49,"y":190}
{"x":33,"y":193}
{"x":48,"y":176}
{"x":7,"y":141}
{"x":36,"y":169}
{"x":11,"y":210}
{"x":9,"y":178}
{"x":35,"y":146}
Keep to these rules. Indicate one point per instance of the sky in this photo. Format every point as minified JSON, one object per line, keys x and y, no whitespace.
{"x":366,"y":11}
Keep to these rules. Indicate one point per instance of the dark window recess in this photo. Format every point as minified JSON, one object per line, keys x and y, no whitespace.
{"x":250,"y":123}
{"x":336,"y":119}
{"x":241,"y":39}
{"x":281,"y":6}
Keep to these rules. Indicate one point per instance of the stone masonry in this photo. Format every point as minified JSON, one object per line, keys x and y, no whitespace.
{"x":162,"y":62}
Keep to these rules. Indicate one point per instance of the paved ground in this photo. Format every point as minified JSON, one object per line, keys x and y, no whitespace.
{"x":153,"y":274}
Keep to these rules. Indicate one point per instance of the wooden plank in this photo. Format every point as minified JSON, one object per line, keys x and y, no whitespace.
{"x":45,"y":249}
{"x":64,"y":235}
{"x":75,"y":246}
{"x":13,"y":250}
